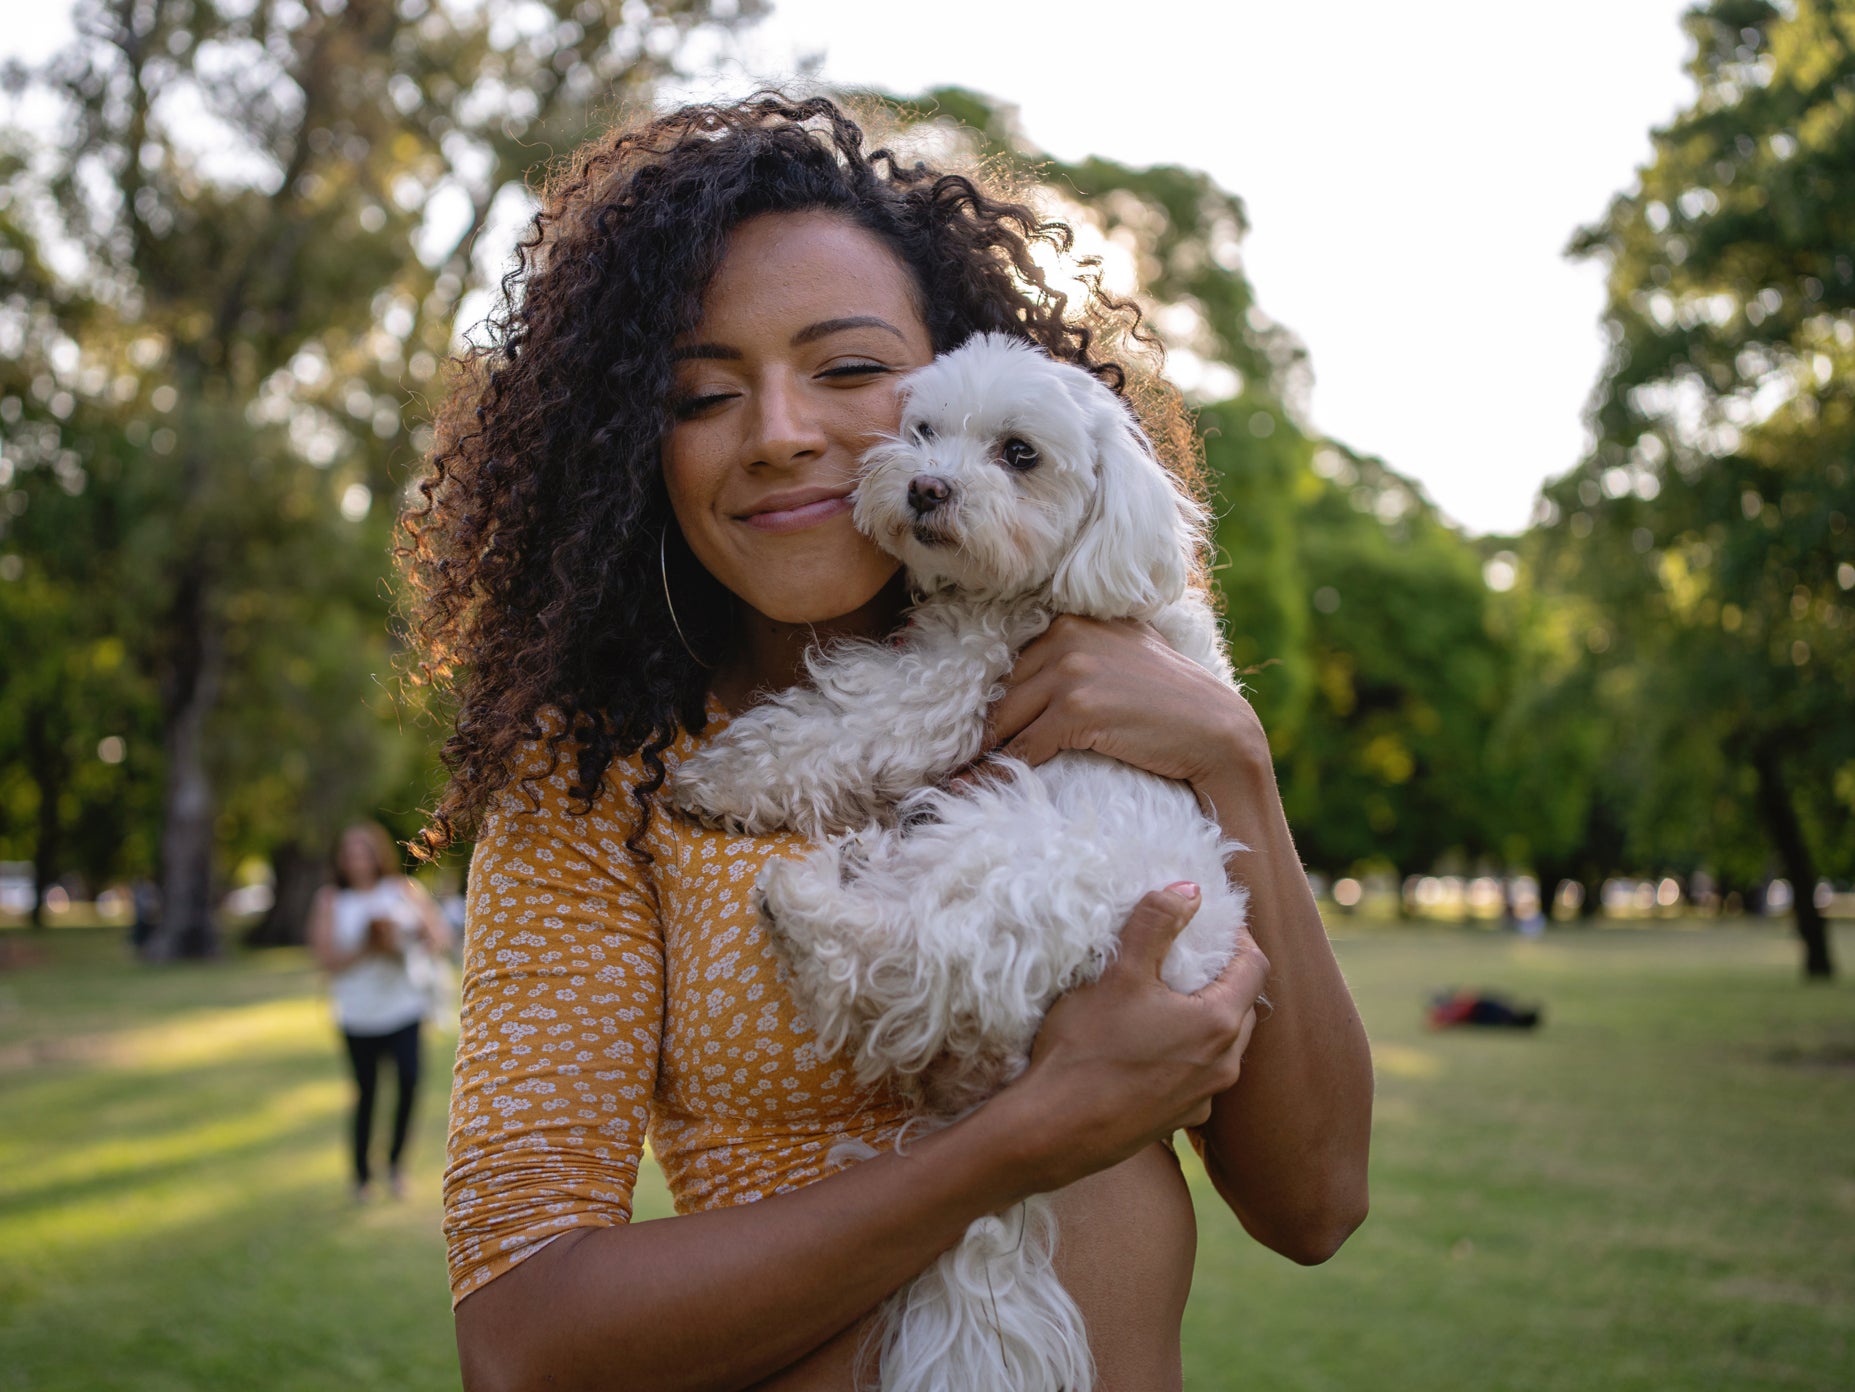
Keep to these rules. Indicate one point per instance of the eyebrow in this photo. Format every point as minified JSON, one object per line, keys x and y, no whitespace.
{"x":823,"y":328}
{"x":811,"y":333}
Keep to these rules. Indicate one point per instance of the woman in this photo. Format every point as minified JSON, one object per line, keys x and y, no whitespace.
{"x":379,"y":936}
{"x":635,"y":520}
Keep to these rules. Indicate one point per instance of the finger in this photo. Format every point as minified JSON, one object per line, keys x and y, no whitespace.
{"x":1243,"y":978}
{"x":1156,"y":920}
{"x":1017,"y":708}
{"x":1230,"y":1063}
{"x":1040,"y":741}
{"x":1066,"y":632}
{"x":980,"y":771}
{"x":1035,"y":655}
{"x":1242,"y":1046}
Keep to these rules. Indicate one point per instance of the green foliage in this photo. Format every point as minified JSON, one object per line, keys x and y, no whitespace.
{"x":1408,"y":678}
{"x":1711,"y":522}
{"x":1257,"y":463}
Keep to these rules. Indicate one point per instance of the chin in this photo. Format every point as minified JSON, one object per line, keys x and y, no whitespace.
{"x":833,"y":597}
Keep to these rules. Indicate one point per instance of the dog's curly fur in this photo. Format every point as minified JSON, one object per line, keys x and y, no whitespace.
{"x":931,"y":931}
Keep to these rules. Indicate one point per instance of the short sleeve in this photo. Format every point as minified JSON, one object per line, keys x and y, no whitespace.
{"x":560,"y":1030}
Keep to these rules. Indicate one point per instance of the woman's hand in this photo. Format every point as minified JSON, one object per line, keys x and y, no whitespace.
{"x":1126,"y":1060}
{"x":1287,"y":1146}
{"x":1117,"y":689}
{"x":382,"y":938}
{"x":434,"y":931}
{"x":328,"y":954}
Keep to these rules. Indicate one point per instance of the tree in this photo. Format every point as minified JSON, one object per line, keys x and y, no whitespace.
{"x":269,"y":211}
{"x":1712,"y":518}
{"x":1408,"y":675}
{"x":1561,"y":760}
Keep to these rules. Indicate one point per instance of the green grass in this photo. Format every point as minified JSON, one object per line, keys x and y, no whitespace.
{"x":1655,"y":1191}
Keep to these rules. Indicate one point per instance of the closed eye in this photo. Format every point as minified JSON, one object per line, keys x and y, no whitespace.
{"x":856,"y":369}
{"x":686,"y":407}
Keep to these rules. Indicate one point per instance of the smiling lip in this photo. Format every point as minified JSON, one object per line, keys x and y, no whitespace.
{"x":795,"y":511}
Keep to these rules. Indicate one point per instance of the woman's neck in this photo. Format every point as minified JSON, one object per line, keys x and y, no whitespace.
{"x":772,"y":654}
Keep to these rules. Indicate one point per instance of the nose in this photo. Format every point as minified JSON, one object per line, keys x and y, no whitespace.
{"x":926,"y":492}
{"x":784,"y":427}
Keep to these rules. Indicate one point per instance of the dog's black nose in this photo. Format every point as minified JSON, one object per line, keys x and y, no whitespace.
{"x":925,"y":493}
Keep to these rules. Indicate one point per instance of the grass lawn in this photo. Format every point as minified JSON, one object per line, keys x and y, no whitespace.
{"x":1655,"y":1191}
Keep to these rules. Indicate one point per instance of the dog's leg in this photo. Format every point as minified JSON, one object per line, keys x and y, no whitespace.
{"x":876,"y":723}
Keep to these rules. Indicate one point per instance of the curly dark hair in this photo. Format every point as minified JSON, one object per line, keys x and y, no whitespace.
{"x":532,"y":555}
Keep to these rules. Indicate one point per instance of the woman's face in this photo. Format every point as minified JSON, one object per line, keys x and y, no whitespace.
{"x":789,"y":376}
{"x":356,"y":857}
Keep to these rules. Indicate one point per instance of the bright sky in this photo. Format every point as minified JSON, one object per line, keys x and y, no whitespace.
{"x":1412,"y":174}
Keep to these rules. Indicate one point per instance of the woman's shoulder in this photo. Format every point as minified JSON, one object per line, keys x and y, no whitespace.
{"x":546,"y":784}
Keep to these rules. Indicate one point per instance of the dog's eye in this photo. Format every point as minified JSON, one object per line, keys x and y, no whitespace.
{"x":1020,"y":455}
{"x":923,"y":432}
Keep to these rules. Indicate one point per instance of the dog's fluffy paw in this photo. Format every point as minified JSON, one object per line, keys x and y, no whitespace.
{"x":715,"y":803}
{"x":779,"y":895}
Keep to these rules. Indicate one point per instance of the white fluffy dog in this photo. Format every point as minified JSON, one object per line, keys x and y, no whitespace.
{"x":932,"y":930}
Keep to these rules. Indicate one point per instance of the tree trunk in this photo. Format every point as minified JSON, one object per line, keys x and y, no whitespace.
{"x":1779,"y":815}
{"x":187,"y":928}
{"x":1592,"y":886}
{"x":48,"y":766}
{"x":297,"y":874}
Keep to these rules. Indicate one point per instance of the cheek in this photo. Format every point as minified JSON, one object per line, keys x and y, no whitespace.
{"x":691,"y":478}
{"x":688,"y":467}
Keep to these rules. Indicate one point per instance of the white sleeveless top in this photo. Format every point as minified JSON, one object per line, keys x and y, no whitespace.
{"x":380,"y":994}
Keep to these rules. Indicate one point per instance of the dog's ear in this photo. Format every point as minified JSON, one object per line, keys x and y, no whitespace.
{"x":1131,"y":556}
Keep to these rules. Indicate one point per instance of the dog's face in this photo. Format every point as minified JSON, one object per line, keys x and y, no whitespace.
{"x":1012,"y":471}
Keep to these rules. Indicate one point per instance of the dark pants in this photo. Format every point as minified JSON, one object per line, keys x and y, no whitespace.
{"x":364,"y":1053}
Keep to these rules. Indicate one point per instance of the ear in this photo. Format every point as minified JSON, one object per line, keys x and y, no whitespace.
{"x":1131,"y":555}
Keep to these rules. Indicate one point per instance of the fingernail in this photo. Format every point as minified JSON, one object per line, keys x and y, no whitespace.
{"x":1185,"y":889}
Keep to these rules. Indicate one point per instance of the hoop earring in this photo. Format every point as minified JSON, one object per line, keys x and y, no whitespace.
{"x":663,"y":570}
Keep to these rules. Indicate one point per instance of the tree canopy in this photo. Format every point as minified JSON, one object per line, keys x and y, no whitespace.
{"x":1711,"y":522}
{"x":236,"y":259}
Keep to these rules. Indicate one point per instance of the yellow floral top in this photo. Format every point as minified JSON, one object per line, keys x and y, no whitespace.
{"x":605,"y":1000}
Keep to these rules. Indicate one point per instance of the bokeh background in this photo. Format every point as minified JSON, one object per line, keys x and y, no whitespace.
{"x":1545,"y":593}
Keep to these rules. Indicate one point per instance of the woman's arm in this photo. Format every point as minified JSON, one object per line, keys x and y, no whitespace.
{"x":726,"y":1298}
{"x":322,"y":945}
{"x":433,"y":930}
{"x":1287,"y":1146}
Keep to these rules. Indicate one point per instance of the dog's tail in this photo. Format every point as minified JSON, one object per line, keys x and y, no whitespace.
{"x":990,"y":1315}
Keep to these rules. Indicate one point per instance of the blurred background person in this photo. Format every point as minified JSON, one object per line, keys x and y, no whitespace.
{"x":381,"y":938}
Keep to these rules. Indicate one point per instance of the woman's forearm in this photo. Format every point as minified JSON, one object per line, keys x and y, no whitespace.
{"x":725,"y":1298}
{"x":1287,"y":1146}
{"x":322,"y":946}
